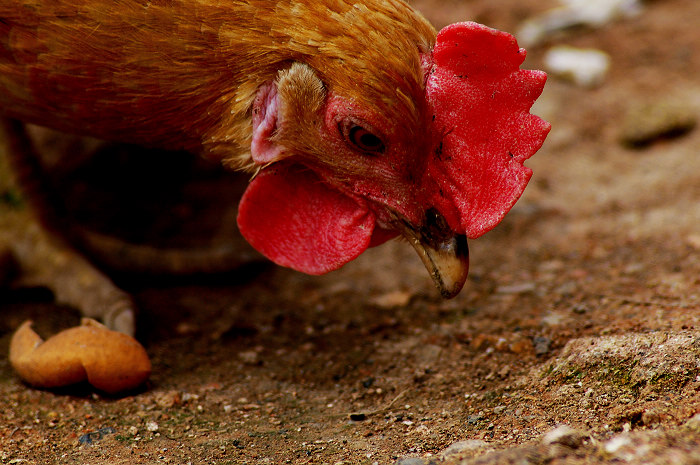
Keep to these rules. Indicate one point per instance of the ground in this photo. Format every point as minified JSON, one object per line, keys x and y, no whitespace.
{"x":581,"y":309}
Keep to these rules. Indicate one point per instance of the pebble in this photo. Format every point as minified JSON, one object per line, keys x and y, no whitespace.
{"x":152,"y":426}
{"x":249,"y":357}
{"x":411,"y":461}
{"x":187,"y":396}
{"x":583,"y":67}
{"x":392,"y":299}
{"x":474,"y":419}
{"x":541,"y":344}
{"x":464,"y":449}
{"x":649,"y":122}
{"x":592,"y":13}
{"x":168,"y":399}
{"x":693,"y":240}
{"x":521,"y":346}
{"x":615,"y":444}
{"x":566,"y":436}
{"x":511,"y":343}
{"x":93,"y":436}
{"x":694,"y":423}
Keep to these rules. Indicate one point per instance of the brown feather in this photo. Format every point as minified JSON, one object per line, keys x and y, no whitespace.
{"x":184,"y":73}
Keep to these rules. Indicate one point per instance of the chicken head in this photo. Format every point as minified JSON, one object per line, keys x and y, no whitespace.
{"x":336,"y":176}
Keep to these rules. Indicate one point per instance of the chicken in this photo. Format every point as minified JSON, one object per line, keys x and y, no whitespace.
{"x":357,"y":120}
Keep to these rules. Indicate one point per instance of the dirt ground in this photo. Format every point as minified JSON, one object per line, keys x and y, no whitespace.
{"x":582,"y":309}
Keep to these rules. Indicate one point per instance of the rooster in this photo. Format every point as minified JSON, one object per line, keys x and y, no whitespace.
{"x":357,"y":120}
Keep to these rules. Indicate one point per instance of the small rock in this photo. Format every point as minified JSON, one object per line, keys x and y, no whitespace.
{"x":411,"y":461}
{"x":541,"y":344}
{"x":249,"y":357}
{"x":168,"y":399}
{"x":694,"y":423}
{"x":501,"y":344}
{"x":580,"y":309}
{"x":152,"y":426}
{"x":187,"y":329}
{"x":392,"y":299}
{"x":519,"y":288}
{"x":566,"y":436}
{"x":522,"y":346}
{"x":649,"y":122}
{"x":592,"y":13}
{"x":187,"y":396}
{"x":93,"y":436}
{"x":615,"y":444}
{"x":584,"y":67}
{"x":474,"y":419}
{"x":481,"y":341}
{"x":693,"y":240}
{"x":464,"y":449}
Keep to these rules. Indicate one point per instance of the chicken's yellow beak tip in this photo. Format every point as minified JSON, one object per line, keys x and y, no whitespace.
{"x":444,"y":254}
{"x":449,"y":267}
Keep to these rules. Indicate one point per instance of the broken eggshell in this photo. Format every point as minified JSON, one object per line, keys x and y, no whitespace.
{"x":109,"y":360}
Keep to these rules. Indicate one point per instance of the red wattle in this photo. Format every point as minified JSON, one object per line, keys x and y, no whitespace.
{"x":289,"y":215}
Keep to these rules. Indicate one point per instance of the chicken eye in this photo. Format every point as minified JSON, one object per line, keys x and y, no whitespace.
{"x":365,"y":140}
{"x":361,"y":138}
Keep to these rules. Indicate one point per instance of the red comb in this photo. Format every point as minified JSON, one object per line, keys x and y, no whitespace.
{"x":480,"y":101}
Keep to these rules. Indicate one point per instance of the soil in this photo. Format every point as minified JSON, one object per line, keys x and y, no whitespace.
{"x":582,"y":309}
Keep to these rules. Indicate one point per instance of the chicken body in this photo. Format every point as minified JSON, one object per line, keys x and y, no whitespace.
{"x":329,"y":101}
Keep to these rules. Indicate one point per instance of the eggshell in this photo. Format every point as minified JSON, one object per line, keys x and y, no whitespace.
{"x":109,"y":360}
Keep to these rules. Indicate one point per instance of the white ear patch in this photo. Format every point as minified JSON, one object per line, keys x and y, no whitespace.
{"x":263,"y":148}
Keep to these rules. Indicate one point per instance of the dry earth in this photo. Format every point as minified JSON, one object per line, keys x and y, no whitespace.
{"x":582,"y":310}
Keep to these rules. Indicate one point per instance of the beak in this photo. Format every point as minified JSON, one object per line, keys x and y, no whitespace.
{"x":444,"y":253}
